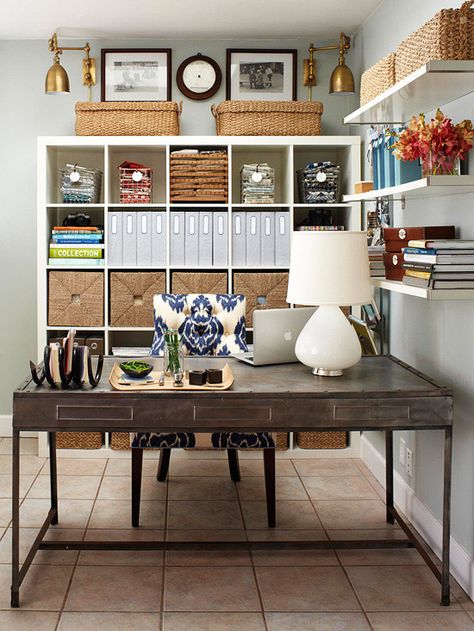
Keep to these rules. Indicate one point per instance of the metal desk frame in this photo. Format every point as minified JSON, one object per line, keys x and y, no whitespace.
{"x":249,"y":406}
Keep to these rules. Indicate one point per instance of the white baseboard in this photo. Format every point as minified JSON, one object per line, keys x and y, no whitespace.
{"x":6,"y":427}
{"x":426,"y":523}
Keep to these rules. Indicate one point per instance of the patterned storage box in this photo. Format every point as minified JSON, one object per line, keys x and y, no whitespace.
{"x":131,"y":297}
{"x":75,"y":299}
{"x":263,"y":290}
{"x":136,"y":183}
{"x":199,"y":283}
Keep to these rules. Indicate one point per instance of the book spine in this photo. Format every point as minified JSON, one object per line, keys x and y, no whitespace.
{"x":76,"y":241}
{"x":85,"y":262}
{"x":418,"y":274}
{"x":419,"y":251}
{"x":73,"y":253}
{"x":81,"y":246}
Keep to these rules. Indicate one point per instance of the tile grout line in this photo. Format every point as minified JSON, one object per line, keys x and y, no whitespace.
{"x":76,"y":563}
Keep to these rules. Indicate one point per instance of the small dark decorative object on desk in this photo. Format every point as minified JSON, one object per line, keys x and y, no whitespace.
{"x":197,"y":377}
{"x":214,"y":375}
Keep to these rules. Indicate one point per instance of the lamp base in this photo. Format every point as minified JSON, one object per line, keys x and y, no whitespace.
{"x":328,"y":343}
{"x":323,"y":372}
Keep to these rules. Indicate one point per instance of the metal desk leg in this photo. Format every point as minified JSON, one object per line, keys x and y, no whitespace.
{"x":15,"y":588}
{"x":389,"y":476}
{"x":53,"y":476}
{"x":448,"y":452}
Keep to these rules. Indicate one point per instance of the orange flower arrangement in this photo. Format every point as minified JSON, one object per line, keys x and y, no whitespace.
{"x":439,"y":143}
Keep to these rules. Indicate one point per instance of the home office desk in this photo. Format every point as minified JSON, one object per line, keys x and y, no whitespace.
{"x":379,"y":393}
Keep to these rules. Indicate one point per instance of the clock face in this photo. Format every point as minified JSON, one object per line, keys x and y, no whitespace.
{"x":199,"y":76}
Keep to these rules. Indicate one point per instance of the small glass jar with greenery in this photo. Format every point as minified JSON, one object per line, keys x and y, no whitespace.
{"x":173,"y":353}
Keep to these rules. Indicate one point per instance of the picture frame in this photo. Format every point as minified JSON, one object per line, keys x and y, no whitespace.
{"x":365,"y":336}
{"x":261,"y":74}
{"x":136,"y":74}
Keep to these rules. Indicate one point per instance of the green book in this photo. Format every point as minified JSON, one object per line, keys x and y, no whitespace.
{"x":75,"y":253}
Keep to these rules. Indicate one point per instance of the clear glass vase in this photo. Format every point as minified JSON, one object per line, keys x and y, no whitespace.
{"x":440,"y":165}
{"x":173,"y":359}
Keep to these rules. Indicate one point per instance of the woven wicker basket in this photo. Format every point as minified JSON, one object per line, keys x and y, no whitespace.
{"x":321,"y":440}
{"x":448,"y":35}
{"x":131,"y":297}
{"x":377,"y":79}
{"x":79,"y":440}
{"x":128,"y":118}
{"x":121,"y":440}
{"x":75,"y":298}
{"x":199,"y":283}
{"x":268,"y":118}
{"x":263,"y":290}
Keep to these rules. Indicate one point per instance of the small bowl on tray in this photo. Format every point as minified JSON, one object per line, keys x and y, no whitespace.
{"x":136,"y":369}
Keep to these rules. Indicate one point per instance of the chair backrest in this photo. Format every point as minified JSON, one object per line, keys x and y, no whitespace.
{"x":209,"y":324}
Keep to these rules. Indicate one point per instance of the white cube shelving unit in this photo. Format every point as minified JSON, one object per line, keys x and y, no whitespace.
{"x":285,"y":153}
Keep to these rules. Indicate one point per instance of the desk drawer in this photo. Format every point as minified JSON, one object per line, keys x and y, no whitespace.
{"x":385,"y":412}
{"x":247,"y":413}
{"x":68,"y":413}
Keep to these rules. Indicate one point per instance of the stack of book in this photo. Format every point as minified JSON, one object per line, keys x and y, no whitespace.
{"x":71,"y":245}
{"x":257,"y":184}
{"x":377,"y":267}
{"x":306,"y":228}
{"x":439,"y":264}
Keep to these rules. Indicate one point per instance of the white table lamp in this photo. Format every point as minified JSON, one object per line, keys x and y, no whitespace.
{"x":329,"y":270}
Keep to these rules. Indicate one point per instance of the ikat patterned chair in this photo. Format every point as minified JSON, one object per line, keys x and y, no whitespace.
{"x":209,"y":324}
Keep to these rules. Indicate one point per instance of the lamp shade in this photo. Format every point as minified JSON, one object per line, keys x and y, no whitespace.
{"x":342,"y":80}
{"x":57,"y":81}
{"x":329,"y":268}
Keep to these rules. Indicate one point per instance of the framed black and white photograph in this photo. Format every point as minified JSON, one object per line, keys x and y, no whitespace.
{"x":255,"y":74}
{"x":136,"y":74}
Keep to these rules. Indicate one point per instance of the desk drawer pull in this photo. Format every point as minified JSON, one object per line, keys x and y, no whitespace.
{"x":235,"y":413}
{"x":93,"y":413}
{"x":371,"y":412}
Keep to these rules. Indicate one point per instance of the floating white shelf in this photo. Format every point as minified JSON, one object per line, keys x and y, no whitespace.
{"x":427,"y":294}
{"x":431,"y":86}
{"x":432,"y":186}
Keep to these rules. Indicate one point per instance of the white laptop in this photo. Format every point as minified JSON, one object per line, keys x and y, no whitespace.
{"x":275,"y":332}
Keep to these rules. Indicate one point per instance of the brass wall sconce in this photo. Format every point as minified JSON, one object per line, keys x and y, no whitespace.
{"x":342,"y":79}
{"x":57,"y":81}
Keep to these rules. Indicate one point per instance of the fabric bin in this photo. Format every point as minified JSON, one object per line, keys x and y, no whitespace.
{"x":79,"y":440}
{"x":199,"y":283}
{"x":263,"y":290}
{"x":377,"y":78}
{"x":268,"y":118}
{"x":131,"y":297}
{"x":75,"y":299}
{"x":449,"y":34}
{"x":322,"y":440}
{"x":128,"y":118}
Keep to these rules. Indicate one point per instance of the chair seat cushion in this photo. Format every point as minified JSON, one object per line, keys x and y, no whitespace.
{"x":219,"y":440}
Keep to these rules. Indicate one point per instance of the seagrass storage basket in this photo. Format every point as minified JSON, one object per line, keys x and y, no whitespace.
{"x":377,"y":78}
{"x":75,"y":298}
{"x":321,"y":440}
{"x":128,"y":118}
{"x":268,"y":118}
{"x":262,"y":290}
{"x":79,"y":440}
{"x":131,"y":297}
{"x":448,"y":35}
{"x":199,"y":283}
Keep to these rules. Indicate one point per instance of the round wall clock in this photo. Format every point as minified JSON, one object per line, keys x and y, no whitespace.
{"x":199,"y":77}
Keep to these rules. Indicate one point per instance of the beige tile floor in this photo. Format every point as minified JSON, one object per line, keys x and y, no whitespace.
{"x":215,"y":591}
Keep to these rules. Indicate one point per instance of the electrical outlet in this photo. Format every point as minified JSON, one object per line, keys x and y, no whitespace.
{"x":401,"y":453}
{"x":410,"y":462}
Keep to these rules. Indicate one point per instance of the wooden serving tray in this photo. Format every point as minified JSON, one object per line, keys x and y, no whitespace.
{"x":228,"y":380}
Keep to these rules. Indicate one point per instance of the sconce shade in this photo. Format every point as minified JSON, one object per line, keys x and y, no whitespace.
{"x":57,"y":81}
{"x":342,"y":80}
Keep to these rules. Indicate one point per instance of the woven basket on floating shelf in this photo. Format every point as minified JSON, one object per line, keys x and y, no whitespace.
{"x":448,"y":35}
{"x":128,"y":118}
{"x":79,"y":440}
{"x":322,"y":440}
{"x":377,"y":78}
{"x":268,"y":118}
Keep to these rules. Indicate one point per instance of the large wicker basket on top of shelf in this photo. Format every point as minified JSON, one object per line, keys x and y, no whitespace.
{"x":128,"y":118}
{"x":448,"y":35}
{"x":268,"y":118}
{"x":377,"y":78}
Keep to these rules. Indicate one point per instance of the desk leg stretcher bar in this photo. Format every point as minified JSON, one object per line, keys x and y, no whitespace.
{"x":413,"y":540}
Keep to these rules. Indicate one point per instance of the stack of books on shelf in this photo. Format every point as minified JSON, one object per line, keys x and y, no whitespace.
{"x":377,"y":267}
{"x":307,"y":228}
{"x":257,"y":184}
{"x":71,"y":245}
{"x":439,"y":264}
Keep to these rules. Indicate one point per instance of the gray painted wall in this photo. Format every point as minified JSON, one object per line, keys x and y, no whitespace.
{"x":435,"y":337}
{"x":26,"y":112}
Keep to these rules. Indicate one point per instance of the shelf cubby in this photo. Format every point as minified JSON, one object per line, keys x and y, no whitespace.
{"x":153,"y":157}
{"x":57,"y":157}
{"x":277,"y":156}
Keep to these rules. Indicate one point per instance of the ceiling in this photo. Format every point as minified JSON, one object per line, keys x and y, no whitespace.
{"x":199,"y":19}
